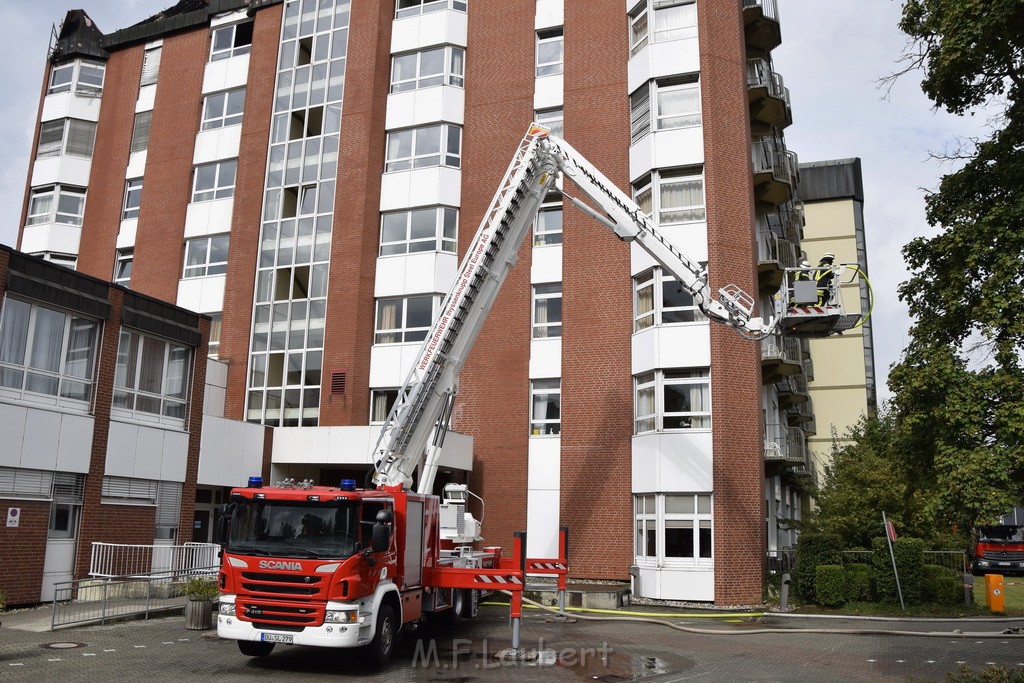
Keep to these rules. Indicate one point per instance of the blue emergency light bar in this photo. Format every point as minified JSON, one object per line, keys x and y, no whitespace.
{"x":347,"y":485}
{"x":255,"y":482}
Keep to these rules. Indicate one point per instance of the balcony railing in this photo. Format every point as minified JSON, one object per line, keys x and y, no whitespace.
{"x":775,"y":249}
{"x":788,"y":221}
{"x":781,"y":348}
{"x":761,"y":75}
{"x":783,"y":443}
{"x":769,"y":8}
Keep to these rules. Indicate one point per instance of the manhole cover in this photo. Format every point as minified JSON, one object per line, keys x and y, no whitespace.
{"x":63,"y":646}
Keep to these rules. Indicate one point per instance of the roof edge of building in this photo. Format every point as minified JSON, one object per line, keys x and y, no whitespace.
{"x":832,"y":179}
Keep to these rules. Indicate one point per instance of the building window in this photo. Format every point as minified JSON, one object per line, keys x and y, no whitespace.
{"x":546,"y":407}
{"x":547,"y":310}
{"x":140,"y":133}
{"x":411,"y":8}
{"x":418,"y":230}
{"x":552,"y":119}
{"x":223,"y":109}
{"x":151,"y":377}
{"x":670,"y":400}
{"x":132,"y":198}
{"x":213,"y":347}
{"x":405,"y":319}
{"x":674,"y":528}
{"x":56,"y":204}
{"x":437,"y":145}
{"x":46,"y":351}
{"x":381,"y":403}
{"x":214,"y":181}
{"x":677,"y":105}
{"x":66,"y":136}
{"x":547,"y":230}
{"x":68,"y":494}
{"x":444,"y":65}
{"x":550,"y":52}
{"x":150,"y":66}
{"x":668,"y":303}
{"x":83,"y":76}
{"x":673,"y":20}
{"x":206,"y":256}
{"x":123,"y":267}
{"x":231,"y":41}
{"x":672,"y":196}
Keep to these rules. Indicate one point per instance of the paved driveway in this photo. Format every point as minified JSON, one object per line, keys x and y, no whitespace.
{"x":609,"y":651}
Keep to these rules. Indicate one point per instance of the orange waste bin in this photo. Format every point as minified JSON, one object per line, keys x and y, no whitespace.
{"x":994,"y":597}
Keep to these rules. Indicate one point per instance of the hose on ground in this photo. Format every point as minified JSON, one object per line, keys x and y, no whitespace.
{"x":761,"y":631}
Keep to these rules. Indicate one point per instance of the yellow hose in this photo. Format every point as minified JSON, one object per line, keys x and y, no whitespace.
{"x":722,"y":615}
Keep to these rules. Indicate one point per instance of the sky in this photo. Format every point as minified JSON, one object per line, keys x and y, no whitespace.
{"x":832,"y":56}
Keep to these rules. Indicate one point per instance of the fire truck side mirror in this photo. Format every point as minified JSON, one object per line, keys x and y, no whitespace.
{"x":221,"y":529}
{"x":381,"y":540}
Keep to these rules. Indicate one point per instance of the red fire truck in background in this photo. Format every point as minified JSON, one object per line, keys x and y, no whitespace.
{"x":997,"y":549}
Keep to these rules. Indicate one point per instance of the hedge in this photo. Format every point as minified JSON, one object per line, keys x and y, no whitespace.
{"x":830,"y":584}
{"x":858,"y":582}
{"x":909,"y":554}
{"x":812,"y":550}
{"x":949,"y":589}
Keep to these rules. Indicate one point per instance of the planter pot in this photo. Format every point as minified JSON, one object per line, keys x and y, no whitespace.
{"x":199,"y":615}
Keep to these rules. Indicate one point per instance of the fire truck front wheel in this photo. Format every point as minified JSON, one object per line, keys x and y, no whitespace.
{"x":378,"y":651}
{"x":254,"y":648}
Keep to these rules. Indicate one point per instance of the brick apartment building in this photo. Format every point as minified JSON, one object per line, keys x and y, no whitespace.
{"x":306,"y":173}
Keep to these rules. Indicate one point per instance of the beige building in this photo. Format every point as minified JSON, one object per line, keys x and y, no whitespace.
{"x":843,"y":385}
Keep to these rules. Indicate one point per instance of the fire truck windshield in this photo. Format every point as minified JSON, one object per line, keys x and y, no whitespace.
{"x":294,"y":529}
{"x":1001,"y":534}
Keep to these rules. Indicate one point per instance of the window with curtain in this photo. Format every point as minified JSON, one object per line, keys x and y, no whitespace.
{"x":672,"y":196}
{"x":639,"y":28}
{"x":674,"y":529}
{"x":406,"y":319}
{"x":56,"y":204}
{"x":547,"y":310}
{"x":151,"y":378}
{"x":672,"y":399}
{"x":47,"y":352}
{"x":546,"y":407}
{"x":658,"y":298}
{"x":674,"y":19}
{"x":678,"y":106}
{"x":213,"y":347}
{"x":381,"y":403}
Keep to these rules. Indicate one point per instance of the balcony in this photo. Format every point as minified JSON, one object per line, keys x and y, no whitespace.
{"x":784,"y":445}
{"x":780,"y":357}
{"x":761,"y":24}
{"x":774,"y":255}
{"x":792,"y":390}
{"x":800,"y":413}
{"x":768,"y":98}
{"x":788,"y":221}
{"x":775,"y":173}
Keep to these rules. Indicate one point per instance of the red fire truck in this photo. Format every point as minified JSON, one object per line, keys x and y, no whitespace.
{"x":349,"y":567}
{"x":998,"y":549}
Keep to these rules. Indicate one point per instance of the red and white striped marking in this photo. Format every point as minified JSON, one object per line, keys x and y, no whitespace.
{"x":808,"y":310}
{"x":547,"y":565}
{"x":502,"y":580}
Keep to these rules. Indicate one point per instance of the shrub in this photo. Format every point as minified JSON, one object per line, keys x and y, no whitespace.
{"x":200,"y":590}
{"x":830,"y":584}
{"x":813,"y":549}
{"x":949,"y":590}
{"x":930,"y":575}
{"x":990,"y":674}
{"x":3,"y":602}
{"x":909,"y":554}
{"x":858,"y":582}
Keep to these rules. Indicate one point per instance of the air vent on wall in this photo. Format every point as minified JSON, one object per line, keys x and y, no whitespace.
{"x":338,"y":382}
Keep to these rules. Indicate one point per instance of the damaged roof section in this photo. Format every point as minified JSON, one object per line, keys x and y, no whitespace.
{"x":78,"y":35}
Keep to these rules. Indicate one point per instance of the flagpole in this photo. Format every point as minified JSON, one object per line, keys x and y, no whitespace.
{"x":889,"y":533}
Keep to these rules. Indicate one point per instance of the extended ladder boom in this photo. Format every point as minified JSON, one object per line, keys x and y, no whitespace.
{"x":423,"y":407}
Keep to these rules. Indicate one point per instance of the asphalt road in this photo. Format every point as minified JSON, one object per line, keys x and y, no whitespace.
{"x":609,"y":651}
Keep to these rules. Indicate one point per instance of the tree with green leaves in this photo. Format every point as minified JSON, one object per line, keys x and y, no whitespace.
{"x":959,"y":388}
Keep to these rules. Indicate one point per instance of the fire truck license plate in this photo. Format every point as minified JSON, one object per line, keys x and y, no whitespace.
{"x":275,"y":638}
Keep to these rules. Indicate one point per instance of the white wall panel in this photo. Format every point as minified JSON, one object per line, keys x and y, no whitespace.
{"x":426,"y":30}
{"x":175,"y":455}
{"x":230,"y":452}
{"x":147,"y":98}
{"x":414,"y":274}
{"x":542,"y":509}
{"x":42,"y":438}
{"x":676,"y":461}
{"x":136,"y":164}
{"x":217,"y":144}
{"x":390,"y":363}
{"x":202,"y":294}
{"x":208,"y":218}
{"x":145,"y":452}
{"x":127,"y":232}
{"x":75,"y":450}
{"x":420,"y":187}
{"x":546,"y":264}
{"x":545,"y":358}
{"x":46,"y":439}
{"x":426,"y":105}
{"x":548,"y":92}
{"x":666,"y":149}
{"x":64,"y":169}
{"x":70,"y":105}
{"x":672,"y":346}
{"x":550,"y":14}
{"x":673,"y":57}
{"x":12,"y":426}
{"x":57,"y":237}
{"x":225,"y":74}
